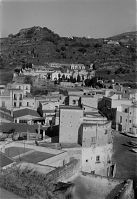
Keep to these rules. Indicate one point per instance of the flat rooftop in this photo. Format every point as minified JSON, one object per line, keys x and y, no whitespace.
{"x":70,"y":107}
{"x":28,"y":155}
{"x":4,"y":160}
{"x":14,"y":151}
{"x":35,"y":157}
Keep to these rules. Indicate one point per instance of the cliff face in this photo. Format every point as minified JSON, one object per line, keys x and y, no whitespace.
{"x":115,"y":55}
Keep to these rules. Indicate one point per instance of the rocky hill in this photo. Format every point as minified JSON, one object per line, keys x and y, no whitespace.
{"x":112,"y":56}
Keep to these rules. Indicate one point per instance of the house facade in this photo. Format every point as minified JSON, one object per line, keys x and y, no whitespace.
{"x":108,"y":106}
{"x":25,"y":115}
{"x":97,"y":147}
{"x":24,"y":87}
{"x":126,"y":119}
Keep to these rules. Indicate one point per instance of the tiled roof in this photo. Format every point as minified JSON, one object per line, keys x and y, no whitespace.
{"x":4,"y":160}
{"x":18,"y":127}
{"x":48,"y":111}
{"x":6,"y":116}
{"x":26,"y":111}
{"x":70,"y":107}
{"x":98,"y":123}
{"x":3,"y":109}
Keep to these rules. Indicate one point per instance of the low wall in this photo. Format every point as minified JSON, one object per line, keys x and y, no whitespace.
{"x":30,"y":183}
{"x":65,"y":172}
{"x":34,"y":147}
{"x":112,"y":187}
{"x":127,"y":192}
{"x":57,"y":160}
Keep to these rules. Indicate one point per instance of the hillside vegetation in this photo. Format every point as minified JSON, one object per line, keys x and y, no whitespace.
{"x":40,"y":45}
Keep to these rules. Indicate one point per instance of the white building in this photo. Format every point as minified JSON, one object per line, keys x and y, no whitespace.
{"x":24,"y":87}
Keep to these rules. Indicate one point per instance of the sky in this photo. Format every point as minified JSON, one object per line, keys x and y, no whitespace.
{"x":94,"y":18}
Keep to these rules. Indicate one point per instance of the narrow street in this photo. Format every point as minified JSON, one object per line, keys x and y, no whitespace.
{"x":126,"y":160}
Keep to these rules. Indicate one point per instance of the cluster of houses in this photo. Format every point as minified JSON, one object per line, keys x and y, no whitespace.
{"x":54,"y":71}
{"x":76,"y":120}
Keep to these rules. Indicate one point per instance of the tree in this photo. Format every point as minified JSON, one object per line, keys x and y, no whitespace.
{"x":63,"y":77}
{"x":71,"y":78}
{"x":40,"y":111}
{"x":78,"y":78}
{"x":108,"y":72}
{"x":28,"y":80}
{"x":74,"y":80}
{"x":17,"y":70}
{"x":87,"y":82}
{"x":93,"y":82}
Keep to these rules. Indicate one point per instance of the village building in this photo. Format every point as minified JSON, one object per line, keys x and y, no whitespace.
{"x":89,"y":103}
{"x":126,"y":119}
{"x":72,"y":100}
{"x":48,"y":114}
{"x":24,"y":131}
{"x":28,"y":102}
{"x":69,"y":124}
{"x":95,"y":138}
{"x":6,"y":99}
{"x":25,"y":87}
{"x":67,"y":84}
{"x":77,"y":67}
{"x":108,"y":106}
{"x":25,"y":115}
{"x":16,"y":97}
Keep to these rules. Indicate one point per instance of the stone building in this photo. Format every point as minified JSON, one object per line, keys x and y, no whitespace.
{"x":126,"y":119}
{"x":21,"y":86}
{"x":97,"y":148}
{"x":69,"y":125}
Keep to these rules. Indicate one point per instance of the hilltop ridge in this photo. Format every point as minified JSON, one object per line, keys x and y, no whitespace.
{"x":114,"y":55}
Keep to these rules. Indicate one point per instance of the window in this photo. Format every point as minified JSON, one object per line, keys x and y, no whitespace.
{"x":93,"y":172}
{"x":97,"y":158}
{"x":74,"y":101}
{"x":27,"y":103}
{"x":20,"y":97}
{"x":93,"y":139}
{"x":130,"y":121}
{"x":23,"y":121}
{"x":15,"y":121}
{"x":126,"y":110}
{"x":86,"y":160}
{"x":26,"y":88}
{"x":14,"y":104}
{"x":15,"y":97}
{"x":3,"y":104}
{"x":120,"y":119}
{"x":20,"y":104}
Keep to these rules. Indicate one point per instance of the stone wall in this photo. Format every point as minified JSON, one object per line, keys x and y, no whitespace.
{"x":112,"y":187}
{"x":30,"y":183}
{"x":127,"y":192}
{"x":63,"y":173}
